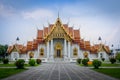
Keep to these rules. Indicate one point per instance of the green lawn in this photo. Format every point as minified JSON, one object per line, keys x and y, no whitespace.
{"x":105,"y":65}
{"x":13,"y":65}
{"x":114,"y":72}
{"x":110,"y":65}
{"x":5,"y":72}
{"x":7,"y":65}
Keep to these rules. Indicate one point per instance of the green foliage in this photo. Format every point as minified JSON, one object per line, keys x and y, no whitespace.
{"x":32,"y":62}
{"x":103,"y":59}
{"x":96,"y":63}
{"x":85,"y":62}
{"x":114,"y":72}
{"x":20,"y":63}
{"x":6,"y":72}
{"x":118,"y":56}
{"x":3,"y":49}
{"x":5,"y":61}
{"x":112,"y":60}
{"x":38,"y":61}
{"x":79,"y":61}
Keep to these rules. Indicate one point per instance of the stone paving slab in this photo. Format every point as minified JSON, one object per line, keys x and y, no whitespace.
{"x":59,"y":71}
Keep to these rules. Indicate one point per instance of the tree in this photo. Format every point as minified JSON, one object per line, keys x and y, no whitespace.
{"x":3,"y":50}
{"x":118,"y":56}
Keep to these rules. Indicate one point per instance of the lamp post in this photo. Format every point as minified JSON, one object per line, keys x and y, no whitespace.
{"x":17,"y":39}
{"x":112,"y":50}
{"x":100,"y":39}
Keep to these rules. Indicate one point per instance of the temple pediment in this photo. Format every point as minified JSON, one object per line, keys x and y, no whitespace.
{"x":58,"y":31}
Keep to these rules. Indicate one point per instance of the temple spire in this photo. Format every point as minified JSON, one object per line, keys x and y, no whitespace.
{"x":58,"y":14}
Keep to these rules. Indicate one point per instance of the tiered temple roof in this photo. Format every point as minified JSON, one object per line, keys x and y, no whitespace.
{"x":75,"y":34}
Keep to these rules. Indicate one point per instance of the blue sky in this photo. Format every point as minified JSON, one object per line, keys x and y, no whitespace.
{"x":94,"y":18}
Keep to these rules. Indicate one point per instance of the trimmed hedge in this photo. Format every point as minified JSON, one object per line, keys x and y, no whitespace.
{"x":103,"y":59}
{"x":32,"y":62}
{"x":96,"y":64}
{"x":85,"y":62}
{"x":79,"y":61}
{"x":20,"y":63}
{"x":38,"y":61}
{"x":112,"y":60}
{"x":5,"y":61}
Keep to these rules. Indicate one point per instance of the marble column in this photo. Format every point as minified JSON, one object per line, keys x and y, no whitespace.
{"x":78,"y":52}
{"x":47,"y":49}
{"x":52,"y":49}
{"x":38,"y":52}
{"x":65,"y":53}
{"x":69,"y":50}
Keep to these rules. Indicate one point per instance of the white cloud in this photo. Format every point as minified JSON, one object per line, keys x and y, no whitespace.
{"x":6,"y":11}
{"x":38,"y":14}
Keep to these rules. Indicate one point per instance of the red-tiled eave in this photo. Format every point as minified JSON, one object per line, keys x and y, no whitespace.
{"x":93,"y":50}
{"x":19,"y":47}
{"x":71,"y":31}
{"x":45,"y":31}
{"x":76,"y":34}
{"x":29,"y":45}
{"x":40,"y":34}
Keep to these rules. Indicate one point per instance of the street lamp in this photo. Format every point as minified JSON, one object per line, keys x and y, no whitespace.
{"x":112,"y":54}
{"x":100,"y":39}
{"x":17,"y":39}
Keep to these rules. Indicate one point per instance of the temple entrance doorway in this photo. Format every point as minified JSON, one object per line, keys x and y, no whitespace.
{"x":58,"y":50}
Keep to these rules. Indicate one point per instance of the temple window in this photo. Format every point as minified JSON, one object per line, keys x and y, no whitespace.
{"x":31,"y":55}
{"x":41,"y":52}
{"x":75,"y":51}
{"x":85,"y":55}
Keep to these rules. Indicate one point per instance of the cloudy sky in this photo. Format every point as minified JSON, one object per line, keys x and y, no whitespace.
{"x":94,"y":18}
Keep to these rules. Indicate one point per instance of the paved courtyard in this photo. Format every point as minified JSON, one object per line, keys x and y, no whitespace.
{"x":59,"y":71}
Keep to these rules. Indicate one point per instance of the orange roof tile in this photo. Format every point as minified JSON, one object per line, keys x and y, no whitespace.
{"x":45,"y":31}
{"x":35,"y":44}
{"x":76,"y":34}
{"x":71,"y":31}
{"x":20,"y":48}
{"x":29,"y":45}
{"x":40,"y":34}
{"x":87,"y":45}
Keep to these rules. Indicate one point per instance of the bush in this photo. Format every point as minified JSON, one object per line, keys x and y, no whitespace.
{"x":85,"y":62}
{"x":32,"y":62}
{"x":112,"y":60}
{"x":103,"y":59}
{"x":20,"y":63}
{"x":118,"y":56}
{"x":38,"y":61}
{"x":5,"y":61}
{"x":79,"y":61}
{"x":96,"y":64}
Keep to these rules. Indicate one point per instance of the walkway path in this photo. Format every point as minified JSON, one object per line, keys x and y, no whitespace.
{"x":59,"y":71}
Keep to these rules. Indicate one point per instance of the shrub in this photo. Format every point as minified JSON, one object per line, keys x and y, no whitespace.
{"x":32,"y":62}
{"x":5,"y":61}
{"x":96,"y":64}
{"x":112,"y":60}
{"x":118,"y":56}
{"x":20,"y":63}
{"x":38,"y":61}
{"x":79,"y":61}
{"x":103,"y":59}
{"x":85,"y":62}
